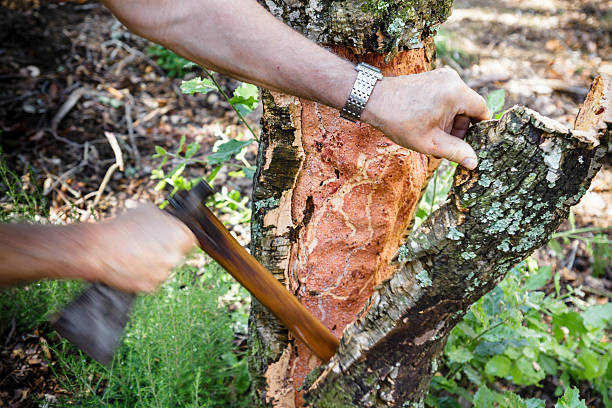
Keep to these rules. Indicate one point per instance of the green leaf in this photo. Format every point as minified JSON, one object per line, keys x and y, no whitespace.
{"x":556,"y":247}
{"x":539,"y":278}
{"x":571,"y":320}
{"x":570,"y":399}
{"x":197,"y":85}
{"x":498,"y":366}
{"x":485,"y":398}
{"x":213,"y":174}
{"x":548,"y":364}
{"x":448,"y":402}
{"x":460,"y":355}
{"x":160,"y":151}
{"x":249,"y":172}
{"x":594,"y":364}
{"x":192,"y":148}
{"x":535,"y":403}
{"x":245,"y":98}
{"x":598,"y":316}
{"x":523,"y":372}
{"x":496,"y":101}
{"x":226,"y":151}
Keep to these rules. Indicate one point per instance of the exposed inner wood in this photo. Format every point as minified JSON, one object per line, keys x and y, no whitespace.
{"x":354,"y":197}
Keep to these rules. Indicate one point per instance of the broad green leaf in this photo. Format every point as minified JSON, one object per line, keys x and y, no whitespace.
{"x":448,"y":402}
{"x":486,"y":398}
{"x":594,"y":364}
{"x":571,"y":320}
{"x":498,"y":366}
{"x":460,"y":355}
{"x":488,"y":348}
{"x":523,"y":372}
{"x":197,"y":85}
{"x":548,"y":364}
{"x":535,"y":403}
{"x":226,"y":151}
{"x":598,"y":316}
{"x":539,"y":278}
{"x":571,"y":399}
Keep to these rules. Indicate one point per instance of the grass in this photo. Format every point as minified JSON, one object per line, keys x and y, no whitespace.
{"x":178,"y":349}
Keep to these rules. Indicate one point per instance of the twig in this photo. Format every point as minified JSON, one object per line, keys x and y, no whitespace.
{"x":128,"y":119}
{"x":152,"y":114}
{"x":112,"y":140}
{"x":66,"y":107}
{"x":136,"y":52}
{"x":599,"y":292}
{"x":212,"y":78}
{"x":70,"y":172}
{"x":488,"y":79}
{"x":105,"y":181}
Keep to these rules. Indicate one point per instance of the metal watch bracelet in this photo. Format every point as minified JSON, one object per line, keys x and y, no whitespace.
{"x":367,"y":76}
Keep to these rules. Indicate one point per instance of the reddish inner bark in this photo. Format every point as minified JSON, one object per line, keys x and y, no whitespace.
{"x":355,"y":195}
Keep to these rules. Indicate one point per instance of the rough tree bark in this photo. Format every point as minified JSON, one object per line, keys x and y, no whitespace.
{"x":333,"y":202}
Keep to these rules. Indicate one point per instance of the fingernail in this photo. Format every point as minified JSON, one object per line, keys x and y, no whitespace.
{"x":470,"y":163}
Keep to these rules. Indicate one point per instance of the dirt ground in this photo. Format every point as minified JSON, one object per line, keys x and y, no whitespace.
{"x":71,"y":74}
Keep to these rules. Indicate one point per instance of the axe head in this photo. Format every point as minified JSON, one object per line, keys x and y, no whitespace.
{"x":95,"y":320}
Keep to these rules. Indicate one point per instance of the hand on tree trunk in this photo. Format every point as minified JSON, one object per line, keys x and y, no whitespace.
{"x":428,"y":112}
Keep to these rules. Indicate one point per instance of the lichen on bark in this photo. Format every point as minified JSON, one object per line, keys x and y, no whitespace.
{"x":365,"y":25}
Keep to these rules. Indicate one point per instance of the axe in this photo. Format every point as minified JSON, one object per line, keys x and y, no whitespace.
{"x":95,"y":320}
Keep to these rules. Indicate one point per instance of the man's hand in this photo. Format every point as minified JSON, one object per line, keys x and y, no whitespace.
{"x":428,"y":112}
{"x":136,"y":251}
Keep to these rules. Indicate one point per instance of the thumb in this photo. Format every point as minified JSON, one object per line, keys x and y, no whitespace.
{"x":454,"y":149}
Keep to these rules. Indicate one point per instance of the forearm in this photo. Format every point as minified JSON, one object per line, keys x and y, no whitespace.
{"x":31,"y":252}
{"x":241,"y":39}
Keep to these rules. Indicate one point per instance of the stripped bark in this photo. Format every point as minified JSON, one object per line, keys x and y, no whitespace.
{"x":332,"y":199}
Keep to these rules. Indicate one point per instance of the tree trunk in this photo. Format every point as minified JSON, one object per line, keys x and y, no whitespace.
{"x":333,"y":201}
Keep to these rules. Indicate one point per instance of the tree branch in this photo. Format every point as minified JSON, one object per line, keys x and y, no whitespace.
{"x":531,"y":171}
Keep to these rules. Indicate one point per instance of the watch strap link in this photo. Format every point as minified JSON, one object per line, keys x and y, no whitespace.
{"x":367,"y":76}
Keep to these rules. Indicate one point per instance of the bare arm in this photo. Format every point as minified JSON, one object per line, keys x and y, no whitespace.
{"x":134,"y":252}
{"x":241,"y":39}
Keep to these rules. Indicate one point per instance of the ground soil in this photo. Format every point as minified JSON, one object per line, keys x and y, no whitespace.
{"x":544,"y":53}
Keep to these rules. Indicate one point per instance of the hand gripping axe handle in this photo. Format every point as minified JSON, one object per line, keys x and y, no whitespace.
{"x":95,"y":320}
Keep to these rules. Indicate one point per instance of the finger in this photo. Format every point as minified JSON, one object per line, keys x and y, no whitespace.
{"x":460,"y":126}
{"x":474,"y":105}
{"x":453,"y":149}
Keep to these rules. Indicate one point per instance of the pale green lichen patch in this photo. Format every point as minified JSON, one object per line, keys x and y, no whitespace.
{"x":269,"y":202}
{"x":402,"y":253}
{"x":468,"y":255}
{"x":485,"y":165}
{"x":504,"y":246}
{"x":454,"y":234}
{"x":423,"y":279}
{"x":484,"y":180}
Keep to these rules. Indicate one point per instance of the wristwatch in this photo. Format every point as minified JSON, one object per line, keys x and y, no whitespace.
{"x":367,"y":76}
